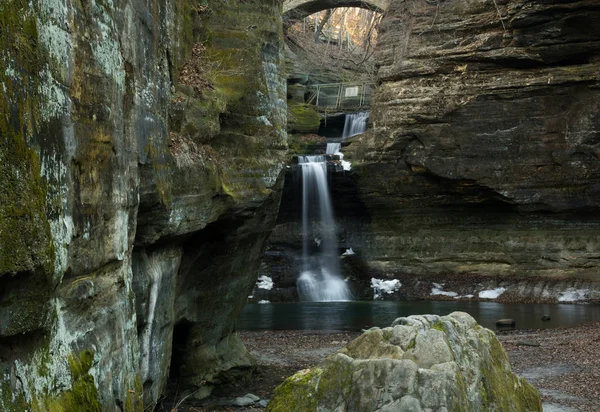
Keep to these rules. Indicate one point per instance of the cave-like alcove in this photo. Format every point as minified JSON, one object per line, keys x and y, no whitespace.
{"x":181,"y":334}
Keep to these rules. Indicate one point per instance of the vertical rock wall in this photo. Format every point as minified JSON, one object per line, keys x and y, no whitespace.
{"x":483,"y":157}
{"x":135,"y":136}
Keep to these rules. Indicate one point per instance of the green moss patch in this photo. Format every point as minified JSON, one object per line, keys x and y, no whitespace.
{"x":303,"y":118}
{"x":134,"y":401}
{"x":8,"y":404}
{"x":297,"y":393}
{"x":83,"y":395}
{"x":501,"y":388}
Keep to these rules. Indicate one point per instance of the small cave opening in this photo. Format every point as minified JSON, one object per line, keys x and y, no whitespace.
{"x":181,"y":335}
{"x":332,"y":125}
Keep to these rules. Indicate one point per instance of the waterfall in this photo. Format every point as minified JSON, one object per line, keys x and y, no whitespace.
{"x":333,"y":148}
{"x":355,"y":123}
{"x":320,"y":278}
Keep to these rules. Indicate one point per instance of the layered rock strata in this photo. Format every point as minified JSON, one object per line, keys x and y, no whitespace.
{"x":483,"y":156}
{"x":141,"y":145}
{"x":420,"y":363}
{"x":481,"y":169}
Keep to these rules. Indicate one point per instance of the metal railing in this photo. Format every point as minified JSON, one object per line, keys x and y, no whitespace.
{"x":341,"y":95}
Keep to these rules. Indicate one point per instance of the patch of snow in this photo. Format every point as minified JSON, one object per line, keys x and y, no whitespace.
{"x":318,"y":241}
{"x":463,"y":296}
{"x":250,"y":296}
{"x":573,"y":295}
{"x":265,"y":282}
{"x":492,"y":293}
{"x":348,"y":252}
{"x":263,"y":301}
{"x":381,"y":286}
{"x":437,"y":291}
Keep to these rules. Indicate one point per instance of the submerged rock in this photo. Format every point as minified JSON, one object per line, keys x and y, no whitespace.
{"x":425,"y":362}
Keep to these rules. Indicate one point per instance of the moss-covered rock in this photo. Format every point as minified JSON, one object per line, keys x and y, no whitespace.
{"x":81,"y":397}
{"x":25,"y":240}
{"x":154,"y":123}
{"x":454,"y":365}
{"x":303,"y":118}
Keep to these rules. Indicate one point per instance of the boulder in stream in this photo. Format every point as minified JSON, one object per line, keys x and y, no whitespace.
{"x":420,"y":363}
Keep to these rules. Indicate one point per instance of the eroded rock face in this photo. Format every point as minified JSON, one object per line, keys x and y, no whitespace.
{"x":480,"y":170}
{"x":483,"y":155}
{"x":420,"y":363}
{"x":140,"y":153}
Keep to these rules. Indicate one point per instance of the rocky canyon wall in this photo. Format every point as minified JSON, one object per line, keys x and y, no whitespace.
{"x":482,"y":164}
{"x":141,"y":144}
{"x":481,"y":168}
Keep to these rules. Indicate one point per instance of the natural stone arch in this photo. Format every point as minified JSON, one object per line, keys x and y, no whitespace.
{"x":298,"y":9}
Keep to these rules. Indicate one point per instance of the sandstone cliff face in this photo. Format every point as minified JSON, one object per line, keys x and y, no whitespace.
{"x":140,"y":149}
{"x":483,"y":159}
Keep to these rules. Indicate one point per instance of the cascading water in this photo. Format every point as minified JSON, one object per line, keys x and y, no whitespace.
{"x":320,"y":278}
{"x":333,"y":148}
{"x":355,"y":123}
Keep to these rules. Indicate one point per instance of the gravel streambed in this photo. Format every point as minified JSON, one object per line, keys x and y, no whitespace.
{"x":565,"y":367}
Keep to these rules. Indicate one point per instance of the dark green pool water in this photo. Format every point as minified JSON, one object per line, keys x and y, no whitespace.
{"x":355,"y":316}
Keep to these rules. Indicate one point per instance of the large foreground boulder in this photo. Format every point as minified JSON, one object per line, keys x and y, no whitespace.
{"x":420,"y":363}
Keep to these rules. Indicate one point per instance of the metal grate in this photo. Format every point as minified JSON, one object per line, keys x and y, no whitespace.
{"x":341,"y":95}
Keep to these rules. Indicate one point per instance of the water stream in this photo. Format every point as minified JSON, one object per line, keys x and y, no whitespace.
{"x":355,"y":123}
{"x":320,"y":278}
{"x":333,"y":148}
{"x":355,"y":315}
